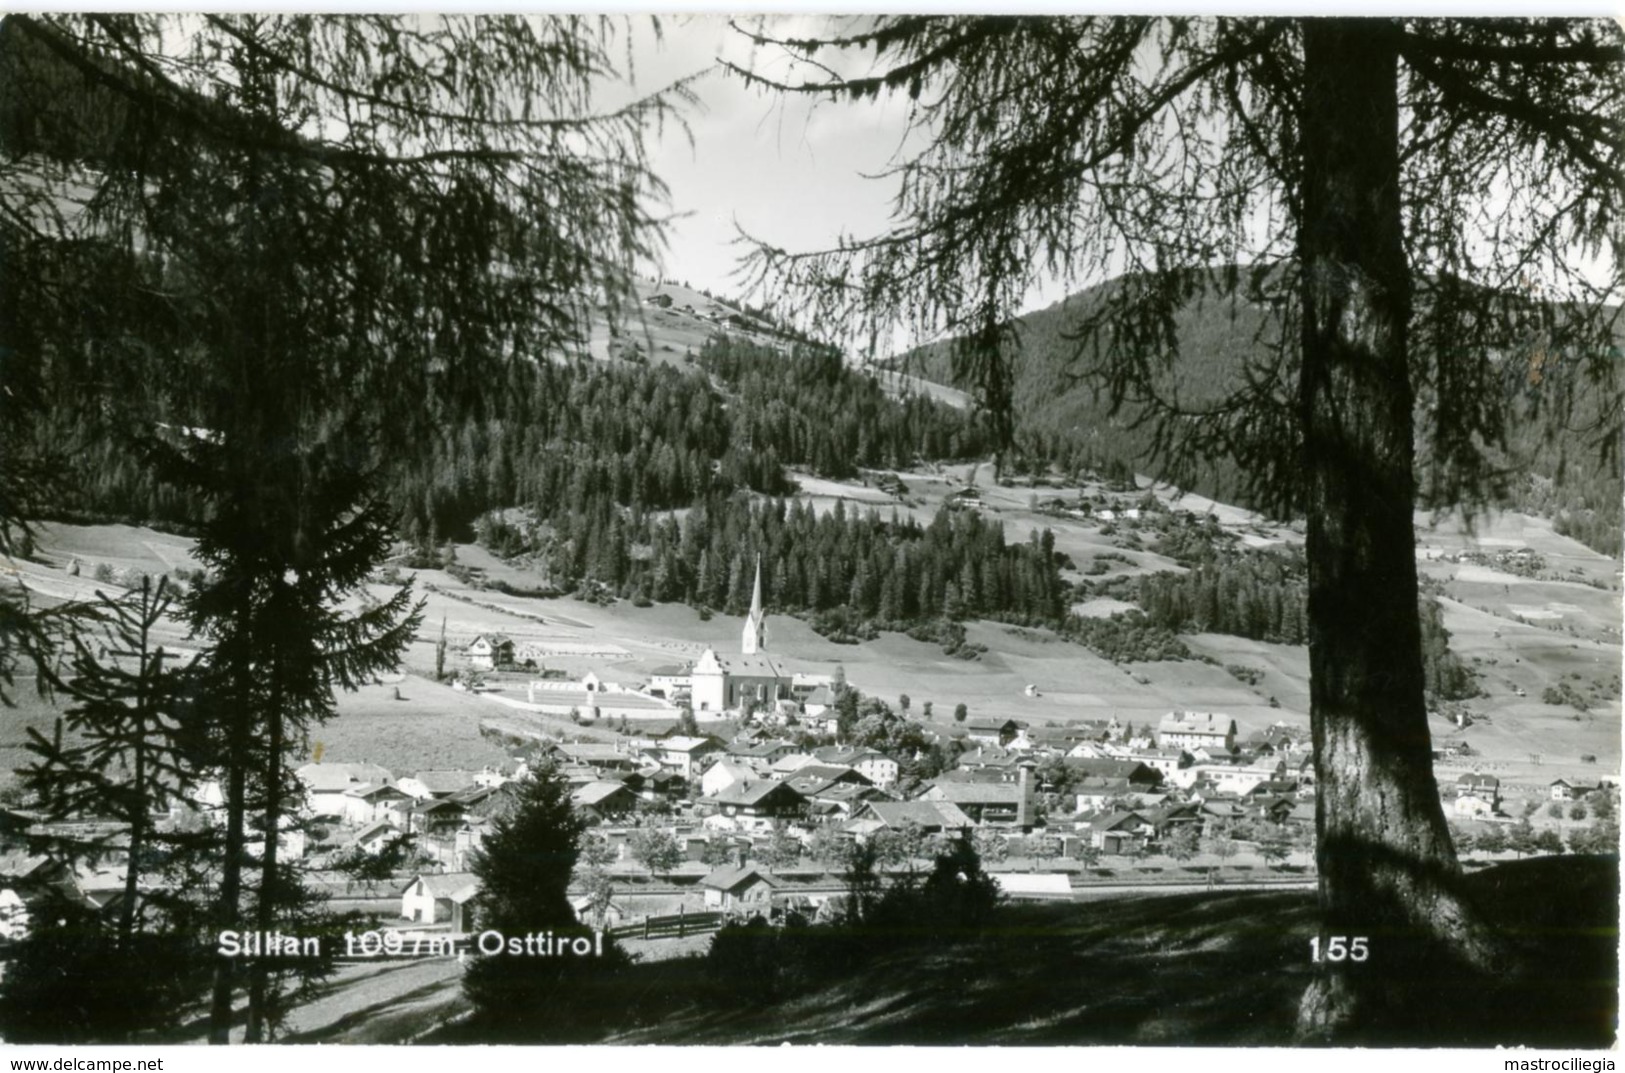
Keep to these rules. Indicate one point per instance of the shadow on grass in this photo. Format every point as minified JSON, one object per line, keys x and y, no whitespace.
{"x":1213,"y":969}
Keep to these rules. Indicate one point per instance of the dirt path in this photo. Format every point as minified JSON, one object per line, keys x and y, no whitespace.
{"x":389,"y":1002}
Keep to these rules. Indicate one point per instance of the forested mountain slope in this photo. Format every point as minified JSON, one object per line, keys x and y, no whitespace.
{"x":1564,"y":466}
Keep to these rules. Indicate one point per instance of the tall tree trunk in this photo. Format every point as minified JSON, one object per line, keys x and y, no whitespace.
{"x":265,"y":907}
{"x":231,"y":871}
{"x":1388,"y":870}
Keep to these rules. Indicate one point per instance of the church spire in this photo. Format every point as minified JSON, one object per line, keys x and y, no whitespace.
{"x":755,"y":634}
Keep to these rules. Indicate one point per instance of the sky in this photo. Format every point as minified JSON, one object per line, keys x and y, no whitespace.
{"x":788,"y":170}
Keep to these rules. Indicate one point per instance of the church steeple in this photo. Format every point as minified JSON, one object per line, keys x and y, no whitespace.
{"x":755,"y":634}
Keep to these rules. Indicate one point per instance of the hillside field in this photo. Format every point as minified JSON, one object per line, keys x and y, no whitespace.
{"x":1516,"y":654}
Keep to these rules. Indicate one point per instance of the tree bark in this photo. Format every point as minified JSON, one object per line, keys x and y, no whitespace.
{"x":1388,"y":870}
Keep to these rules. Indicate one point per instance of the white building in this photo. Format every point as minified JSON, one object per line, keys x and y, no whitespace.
{"x":1194,"y":730}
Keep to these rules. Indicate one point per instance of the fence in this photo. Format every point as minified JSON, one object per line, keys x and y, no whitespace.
{"x":676,"y":926}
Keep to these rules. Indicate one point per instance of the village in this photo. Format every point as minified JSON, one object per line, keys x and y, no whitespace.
{"x":745,"y":806}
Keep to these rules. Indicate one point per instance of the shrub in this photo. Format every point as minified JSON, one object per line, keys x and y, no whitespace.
{"x":1242,"y":673}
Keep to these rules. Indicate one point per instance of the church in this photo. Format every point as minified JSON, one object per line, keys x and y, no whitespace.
{"x":719,"y":685}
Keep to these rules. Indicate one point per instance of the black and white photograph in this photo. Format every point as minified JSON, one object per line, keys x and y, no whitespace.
{"x":897,"y":529}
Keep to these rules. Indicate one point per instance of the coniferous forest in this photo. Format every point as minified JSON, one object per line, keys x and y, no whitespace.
{"x":664,"y":483}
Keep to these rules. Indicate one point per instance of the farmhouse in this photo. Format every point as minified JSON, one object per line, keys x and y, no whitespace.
{"x":1195,"y":730}
{"x":1564,"y":790}
{"x":1000,"y":732}
{"x":432,"y":816}
{"x":1485,"y":787}
{"x":757,"y":803}
{"x":603,"y":800}
{"x":489,"y":651}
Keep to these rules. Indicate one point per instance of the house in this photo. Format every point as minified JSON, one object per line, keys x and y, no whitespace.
{"x":28,"y":880}
{"x":1564,"y":790}
{"x":843,"y":799}
{"x":612,"y":915}
{"x":725,"y":773}
{"x":757,"y":804}
{"x":931,"y":817}
{"x":877,"y":767}
{"x":672,"y":681}
{"x":1172,"y":817}
{"x":1194,"y":730}
{"x":1166,"y":762}
{"x":819,"y":701}
{"x":990,"y":758}
{"x":102,"y":886}
{"x":1137,"y":774}
{"x":14,"y":916}
{"x":684,"y":754}
{"x":371,"y":802}
{"x":739,"y":890}
{"x":603,"y":800}
{"x":436,"y":899}
{"x":1274,"y":809}
{"x":759,"y":756}
{"x":434,"y":817}
{"x":1486,"y":787}
{"x":655,"y":784}
{"x":1095,"y":792}
{"x":507,"y":771}
{"x":1233,"y":779}
{"x":1065,"y":739}
{"x":988,"y":804}
{"x":788,"y":765}
{"x":436,"y":784}
{"x":372,"y":838}
{"x":1000,"y":732}
{"x":815,"y":778}
{"x":1120,"y":832}
{"x":489,"y":651}
{"x":598,"y":755}
{"x":327,"y":784}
